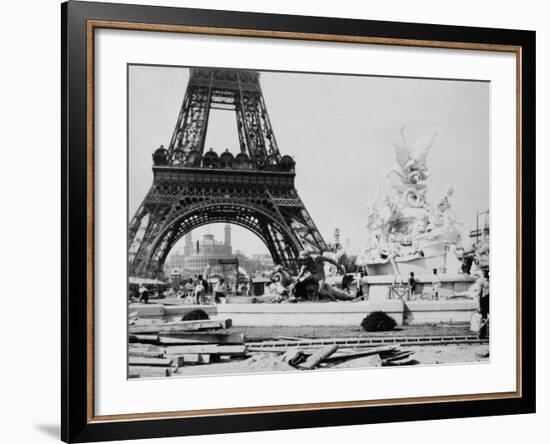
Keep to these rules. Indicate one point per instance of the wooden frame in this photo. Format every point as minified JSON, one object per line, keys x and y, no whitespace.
{"x":79,"y":21}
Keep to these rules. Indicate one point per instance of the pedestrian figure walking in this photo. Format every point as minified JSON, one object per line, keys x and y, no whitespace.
{"x":483,"y":292}
{"x":412,"y":286}
{"x":143,"y":294}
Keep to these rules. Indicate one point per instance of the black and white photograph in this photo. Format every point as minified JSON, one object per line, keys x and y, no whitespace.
{"x":299,"y":221}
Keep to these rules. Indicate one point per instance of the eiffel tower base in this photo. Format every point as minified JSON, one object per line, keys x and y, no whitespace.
{"x":184,"y":198}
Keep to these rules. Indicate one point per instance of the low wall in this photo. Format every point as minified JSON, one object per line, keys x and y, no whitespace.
{"x":321,"y":314}
{"x":308,"y":314}
{"x":448,"y":312}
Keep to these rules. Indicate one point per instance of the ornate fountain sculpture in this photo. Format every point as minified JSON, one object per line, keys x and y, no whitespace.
{"x":406,"y":232}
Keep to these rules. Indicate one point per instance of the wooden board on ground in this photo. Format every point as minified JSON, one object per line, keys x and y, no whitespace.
{"x":318,"y":356}
{"x":289,"y":338}
{"x":203,"y":338}
{"x":149,"y":372}
{"x":142,"y":322}
{"x":398,"y":356}
{"x":168,"y":328}
{"x":143,"y":339}
{"x":343,"y":356}
{"x":144,"y":329}
{"x":146,"y":351}
{"x":211,"y":349}
{"x":153,"y":362}
{"x":194,"y":359}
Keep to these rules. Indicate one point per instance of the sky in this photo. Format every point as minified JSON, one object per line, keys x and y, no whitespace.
{"x":339,"y":129}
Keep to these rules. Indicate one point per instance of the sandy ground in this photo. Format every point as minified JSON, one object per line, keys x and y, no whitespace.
{"x":450,"y":354}
{"x":424,"y":355}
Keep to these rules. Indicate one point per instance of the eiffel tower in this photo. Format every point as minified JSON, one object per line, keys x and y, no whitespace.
{"x":191,"y":187}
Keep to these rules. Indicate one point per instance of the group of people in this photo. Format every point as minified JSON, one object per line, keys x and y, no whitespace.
{"x":480,"y":291}
{"x":310,"y":283}
{"x":436,"y":283}
{"x":200,"y":292}
{"x":196,"y":290}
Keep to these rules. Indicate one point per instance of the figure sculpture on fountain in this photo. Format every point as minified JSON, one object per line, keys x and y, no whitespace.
{"x":407,"y":231}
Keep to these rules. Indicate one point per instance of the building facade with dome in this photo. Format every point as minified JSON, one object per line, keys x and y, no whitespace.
{"x":208,"y":251}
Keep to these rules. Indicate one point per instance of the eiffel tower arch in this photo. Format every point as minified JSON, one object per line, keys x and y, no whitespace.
{"x":254,"y":189}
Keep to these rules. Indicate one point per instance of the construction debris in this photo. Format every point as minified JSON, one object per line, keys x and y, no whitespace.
{"x":315,"y":358}
{"x":158,"y":348}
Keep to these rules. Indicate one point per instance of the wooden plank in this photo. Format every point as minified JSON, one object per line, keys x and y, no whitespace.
{"x":180,"y":326}
{"x":141,"y":329}
{"x":318,"y":356}
{"x":337,"y":357}
{"x":193,"y":359}
{"x":212,"y":349}
{"x":203,"y":338}
{"x":149,"y":372}
{"x":141,"y":321}
{"x":146,"y":351}
{"x":225,"y":322}
{"x":146,"y":347}
{"x":145,"y":354}
{"x":154,"y":362}
{"x":289,"y":338}
{"x":143,"y":339}
{"x":185,"y":326}
{"x":398,"y":357}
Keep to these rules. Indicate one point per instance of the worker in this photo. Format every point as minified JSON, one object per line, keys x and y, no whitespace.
{"x":201,"y":288}
{"x":483,"y":294}
{"x":412,"y":285}
{"x":219,"y":292}
{"x":143,"y":294}
{"x":436,"y":282}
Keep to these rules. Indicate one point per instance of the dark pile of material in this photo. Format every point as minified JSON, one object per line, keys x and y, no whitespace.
{"x":378,"y":321}
{"x":195,"y":315}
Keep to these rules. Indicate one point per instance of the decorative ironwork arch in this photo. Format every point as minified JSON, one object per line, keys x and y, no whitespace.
{"x":260,"y":221}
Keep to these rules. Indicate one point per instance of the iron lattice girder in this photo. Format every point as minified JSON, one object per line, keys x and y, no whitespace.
{"x":227,"y":89}
{"x":182,"y":199}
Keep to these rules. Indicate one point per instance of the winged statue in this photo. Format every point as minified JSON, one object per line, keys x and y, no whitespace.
{"x":411,"y":160}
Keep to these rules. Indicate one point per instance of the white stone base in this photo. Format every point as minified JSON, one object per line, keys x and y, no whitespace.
{"x":321,"y":314}
{"x":308,"y":314}
{"x":448,"y":312}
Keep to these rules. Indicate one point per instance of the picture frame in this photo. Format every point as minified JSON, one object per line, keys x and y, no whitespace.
{"x":80,"y":22}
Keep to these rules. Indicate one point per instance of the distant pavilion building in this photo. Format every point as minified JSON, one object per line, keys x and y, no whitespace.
{"x":208,"y":251}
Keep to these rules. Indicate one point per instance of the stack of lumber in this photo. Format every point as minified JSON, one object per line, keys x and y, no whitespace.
{"x":158,"y":348}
